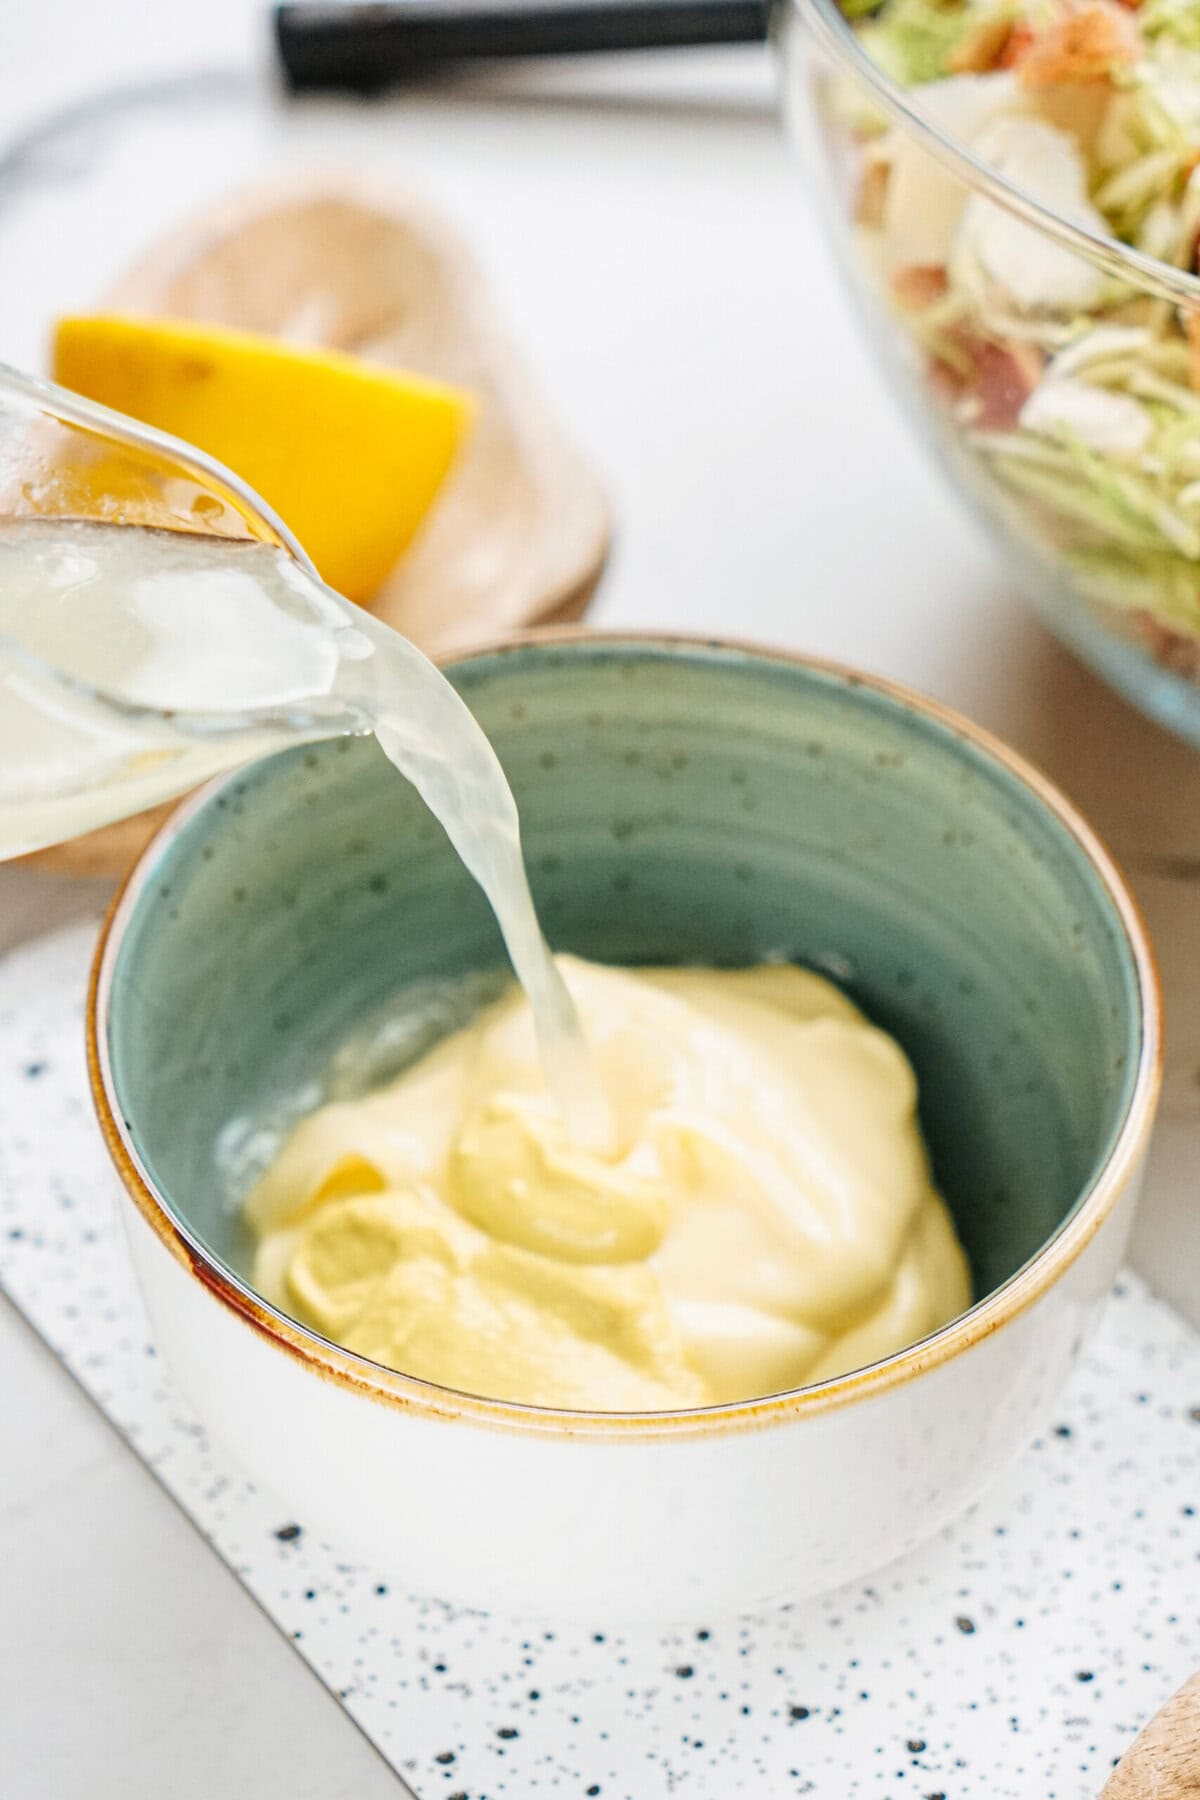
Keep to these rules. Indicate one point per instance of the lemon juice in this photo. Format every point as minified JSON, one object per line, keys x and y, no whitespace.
{"x":136,"y":662}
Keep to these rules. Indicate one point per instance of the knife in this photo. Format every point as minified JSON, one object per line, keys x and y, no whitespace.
{"x":363,"y":48}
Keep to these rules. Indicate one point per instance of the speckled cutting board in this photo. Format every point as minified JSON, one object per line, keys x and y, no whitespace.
{"x":1013,"y":1658}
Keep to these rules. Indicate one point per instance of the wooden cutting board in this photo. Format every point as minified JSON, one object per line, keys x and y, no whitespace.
{"x":1163,"y":1762}
{"x":520,"y":532}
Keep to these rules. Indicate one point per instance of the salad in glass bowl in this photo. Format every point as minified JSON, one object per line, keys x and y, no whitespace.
{"x":1016,"y":190}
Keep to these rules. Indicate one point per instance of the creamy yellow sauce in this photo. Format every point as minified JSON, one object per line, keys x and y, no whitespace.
{"x":764,"y":1217}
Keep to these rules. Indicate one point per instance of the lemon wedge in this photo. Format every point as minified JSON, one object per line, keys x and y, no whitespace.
{"x":351,"y":456}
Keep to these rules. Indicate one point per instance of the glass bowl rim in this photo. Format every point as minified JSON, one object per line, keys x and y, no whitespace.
{"x":833,"y":31}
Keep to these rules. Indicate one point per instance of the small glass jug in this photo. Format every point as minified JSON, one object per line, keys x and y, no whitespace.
{"x":79,"y":745}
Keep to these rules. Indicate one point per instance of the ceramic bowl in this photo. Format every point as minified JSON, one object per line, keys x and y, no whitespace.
{"x":681,"y":802}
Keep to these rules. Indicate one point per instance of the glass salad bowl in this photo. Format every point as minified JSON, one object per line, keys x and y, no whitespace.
{"x":1053,"y":367}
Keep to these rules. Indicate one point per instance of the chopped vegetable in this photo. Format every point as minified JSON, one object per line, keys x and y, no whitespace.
{"x":1075,"y":392}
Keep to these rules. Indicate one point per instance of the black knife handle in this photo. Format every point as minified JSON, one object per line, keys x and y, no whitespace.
{"x":367,"y":47}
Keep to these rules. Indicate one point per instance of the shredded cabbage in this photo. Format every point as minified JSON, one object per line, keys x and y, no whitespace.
{"x":1077,"y":394}
{"x":914,"y":40}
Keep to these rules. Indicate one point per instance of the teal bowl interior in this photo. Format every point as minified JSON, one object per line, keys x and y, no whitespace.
{"x":680,"y":804}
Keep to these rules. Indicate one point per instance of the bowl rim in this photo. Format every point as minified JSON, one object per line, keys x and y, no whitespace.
{"x":412,"y":1394}
{"x":834,"y":32}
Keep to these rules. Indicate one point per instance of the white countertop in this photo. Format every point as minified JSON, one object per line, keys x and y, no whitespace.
{"x":664,"y":273}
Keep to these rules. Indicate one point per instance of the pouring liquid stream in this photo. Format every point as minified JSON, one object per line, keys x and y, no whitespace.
{"x":135,"y":663}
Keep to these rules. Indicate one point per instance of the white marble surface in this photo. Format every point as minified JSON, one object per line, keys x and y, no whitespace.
{"x":662,"y":270}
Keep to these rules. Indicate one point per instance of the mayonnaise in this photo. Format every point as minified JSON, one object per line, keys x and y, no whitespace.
{"x":763,"y":1218}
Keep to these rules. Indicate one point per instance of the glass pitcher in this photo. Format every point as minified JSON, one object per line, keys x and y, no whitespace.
{"x":81,"y":743}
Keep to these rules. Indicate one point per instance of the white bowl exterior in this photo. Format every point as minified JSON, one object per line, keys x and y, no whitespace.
{"x":674,"y":1529}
